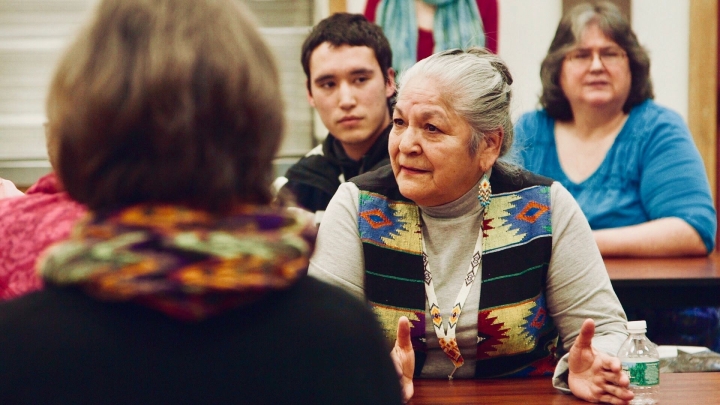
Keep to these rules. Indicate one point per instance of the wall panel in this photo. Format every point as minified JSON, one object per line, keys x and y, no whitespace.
{"x":33,"y":34}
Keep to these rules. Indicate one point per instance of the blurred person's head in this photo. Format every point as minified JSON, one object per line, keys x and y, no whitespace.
{"x":168,"y":101}
{"x":347,"y":62}
{"x":594,"y":58}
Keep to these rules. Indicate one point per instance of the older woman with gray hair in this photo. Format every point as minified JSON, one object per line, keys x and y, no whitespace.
{"x":475,"y":267}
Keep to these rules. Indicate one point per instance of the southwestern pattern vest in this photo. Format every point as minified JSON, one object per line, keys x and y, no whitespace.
{"x":516,"y":337}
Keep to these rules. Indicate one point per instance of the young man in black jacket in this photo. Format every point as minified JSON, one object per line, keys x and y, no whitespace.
{"x":350,"y":81}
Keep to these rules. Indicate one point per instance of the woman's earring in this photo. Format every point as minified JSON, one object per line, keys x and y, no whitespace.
{"x":484,"y":191}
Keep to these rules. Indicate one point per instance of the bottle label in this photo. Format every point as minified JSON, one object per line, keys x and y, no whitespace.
{"x":642,"y":374}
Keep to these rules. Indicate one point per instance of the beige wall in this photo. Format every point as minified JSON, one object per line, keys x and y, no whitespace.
{"x":34,"y":33}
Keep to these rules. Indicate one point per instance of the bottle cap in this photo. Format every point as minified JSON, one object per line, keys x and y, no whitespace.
{"x":636,"y":326}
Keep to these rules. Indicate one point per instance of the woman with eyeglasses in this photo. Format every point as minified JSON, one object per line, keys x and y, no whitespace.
{"x":630,"y":163}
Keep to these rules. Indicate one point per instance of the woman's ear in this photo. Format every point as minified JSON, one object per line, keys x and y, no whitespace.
{"x":490,"y":148}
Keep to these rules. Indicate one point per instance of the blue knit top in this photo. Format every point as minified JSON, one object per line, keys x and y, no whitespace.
{"x":653,"y":170}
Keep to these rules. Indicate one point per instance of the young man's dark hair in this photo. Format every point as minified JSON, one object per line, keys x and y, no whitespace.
{"x":350,"y":82}
{"x":347,"y":29}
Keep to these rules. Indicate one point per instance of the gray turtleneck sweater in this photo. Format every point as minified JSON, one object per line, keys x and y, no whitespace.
{"x":578,"y":286}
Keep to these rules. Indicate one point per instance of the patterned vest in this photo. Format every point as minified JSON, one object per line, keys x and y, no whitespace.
{"x":516,"y":337}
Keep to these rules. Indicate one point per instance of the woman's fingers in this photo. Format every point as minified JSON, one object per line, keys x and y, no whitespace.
{"x":615,"y":384}
{"x":611,"y":363}
{"x":403,"y":334}
{"x":397,"y":361}
{"x":594,"y":375}
{"x":587,"y":331}
{"x":611,"y":371}
{"x":621,"y":395}
{"x":404,"y":358}
{"x":610,"y":399}
{"x":615,"y":378}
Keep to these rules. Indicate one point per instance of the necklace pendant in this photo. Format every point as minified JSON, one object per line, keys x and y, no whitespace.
{"x":451,"y":349}
{"x":447,"y":341}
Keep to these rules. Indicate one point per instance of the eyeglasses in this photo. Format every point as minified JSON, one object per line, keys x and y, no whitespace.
{"x":584,"y":57}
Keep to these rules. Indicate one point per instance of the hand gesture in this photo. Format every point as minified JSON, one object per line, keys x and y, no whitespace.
{"x":596,"y":376}
{"x":403,"y":357}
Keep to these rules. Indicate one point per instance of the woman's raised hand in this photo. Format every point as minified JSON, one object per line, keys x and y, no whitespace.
{"x":403,"y":357}
{"x":595,"y":376}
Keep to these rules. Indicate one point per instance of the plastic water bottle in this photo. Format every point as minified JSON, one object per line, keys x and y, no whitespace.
{"x":641,"y":361}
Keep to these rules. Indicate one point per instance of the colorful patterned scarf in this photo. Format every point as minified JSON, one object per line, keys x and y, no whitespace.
{"x":185,"y":263}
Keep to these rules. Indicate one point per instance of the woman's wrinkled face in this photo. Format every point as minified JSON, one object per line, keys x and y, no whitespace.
{"x":596,"y":73}
{"x":430,"y":147}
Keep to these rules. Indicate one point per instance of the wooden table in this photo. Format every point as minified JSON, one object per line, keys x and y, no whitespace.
{"x":675,"y":389}
{"x":643,"y":283}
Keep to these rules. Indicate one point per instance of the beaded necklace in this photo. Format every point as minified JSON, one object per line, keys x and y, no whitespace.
{"x":446,"y":339}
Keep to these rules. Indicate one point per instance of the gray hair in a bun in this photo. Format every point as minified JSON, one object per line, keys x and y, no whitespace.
{"x":475,"y":83}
